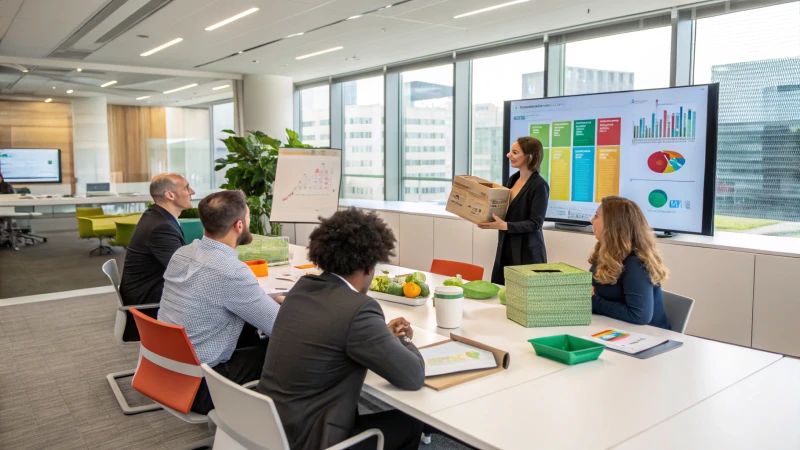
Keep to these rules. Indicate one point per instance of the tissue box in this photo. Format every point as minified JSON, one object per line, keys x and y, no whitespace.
{"x":546,"y":295}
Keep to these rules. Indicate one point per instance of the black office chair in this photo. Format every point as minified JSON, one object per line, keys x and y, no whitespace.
{"x":22,"y":190}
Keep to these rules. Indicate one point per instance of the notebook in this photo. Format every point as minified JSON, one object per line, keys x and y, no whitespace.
{"x":626,"y":341}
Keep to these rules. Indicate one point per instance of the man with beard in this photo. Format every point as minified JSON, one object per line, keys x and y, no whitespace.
{"x":216,"y":297}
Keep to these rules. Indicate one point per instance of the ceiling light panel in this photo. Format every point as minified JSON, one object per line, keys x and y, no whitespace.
{"x":321,"y":52}
{"x":220,"y":87}
{"x":109,"y":83}
{"x":188,"y":86}
{"x":162,"y":47}
{"x":231,"y":19}
{"x":490,"y":8}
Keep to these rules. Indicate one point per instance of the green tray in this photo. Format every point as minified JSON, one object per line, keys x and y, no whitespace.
{"x":567,"y":349}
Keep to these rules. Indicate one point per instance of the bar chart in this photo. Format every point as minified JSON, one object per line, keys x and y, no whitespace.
{"x":679,"y":123}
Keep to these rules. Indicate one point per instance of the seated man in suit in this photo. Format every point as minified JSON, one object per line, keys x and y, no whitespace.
{"x":155,"y":239}
{"x":329,"y":333}
{"x":213,"y":295}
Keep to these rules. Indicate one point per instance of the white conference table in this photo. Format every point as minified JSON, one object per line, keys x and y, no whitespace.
{"x":762,"y":411}
{"x":539,"y":403}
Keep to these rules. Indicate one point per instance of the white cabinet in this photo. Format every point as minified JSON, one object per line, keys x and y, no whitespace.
{"x":452,"y":240}
{"x":416,"y":242}
{"x":721,"y":284}
{"x":776,"y":309}
{"x":569,"y":247}
{"x":393,"y":220}
{"x":484,"y":250}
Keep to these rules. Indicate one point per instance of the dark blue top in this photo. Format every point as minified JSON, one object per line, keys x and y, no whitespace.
{"x":633,"y":298}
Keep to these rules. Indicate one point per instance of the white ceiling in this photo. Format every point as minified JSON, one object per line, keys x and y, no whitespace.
{"x":34,"y":28}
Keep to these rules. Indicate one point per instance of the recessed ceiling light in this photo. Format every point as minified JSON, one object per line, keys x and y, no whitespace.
{"x":241,"y":52}
{"x":70,"y":91}
{"x":109,"y":83}
{"x":491,"y":8}
{"x":54,"y":87}
{"x":24,"y":70}
{"x":180,"y":88}
{"x":161,"y":47}
{"x":142,"y":98}
{"x":354,"y":17}
{"x":220,"y":87}
{"x":79,"y":69}
{"x":387,"y":6}
{"x":231,"y":19}
{"x":320,"y":52}
{"x":48,"y":100}
{"x":293,"y":35}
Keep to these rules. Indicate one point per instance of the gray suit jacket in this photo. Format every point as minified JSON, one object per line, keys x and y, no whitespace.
{"x":325,"y":338}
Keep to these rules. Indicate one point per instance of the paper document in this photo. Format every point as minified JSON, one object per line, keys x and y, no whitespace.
{"x":455,"y":357}
{"x":626,"y":341}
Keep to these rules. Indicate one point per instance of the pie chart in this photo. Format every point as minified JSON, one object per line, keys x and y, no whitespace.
{"x":665,"y":161}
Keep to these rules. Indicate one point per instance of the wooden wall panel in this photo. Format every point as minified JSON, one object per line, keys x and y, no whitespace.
{"x":131,"y":131}
{"x":40,"y":125}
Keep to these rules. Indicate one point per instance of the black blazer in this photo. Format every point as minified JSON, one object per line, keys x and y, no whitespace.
{"x":324,"y":339}
{"x":523,"y":243}
{"x":155,"y":239}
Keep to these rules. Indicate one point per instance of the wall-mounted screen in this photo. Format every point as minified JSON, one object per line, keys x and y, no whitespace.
{"x":30,"y":165}
{"x":656,"y":147}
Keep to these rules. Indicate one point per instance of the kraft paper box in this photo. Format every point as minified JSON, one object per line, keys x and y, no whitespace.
{"x":476,"y":199}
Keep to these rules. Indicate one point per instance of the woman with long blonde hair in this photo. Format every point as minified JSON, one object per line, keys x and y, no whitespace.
{"x":627,"y":269}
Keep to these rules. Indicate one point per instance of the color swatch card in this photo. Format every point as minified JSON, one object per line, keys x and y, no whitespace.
{"x":455,"y":357}
{"x":626,"y":341}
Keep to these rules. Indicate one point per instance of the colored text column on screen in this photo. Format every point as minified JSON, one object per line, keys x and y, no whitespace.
{"x":560,"y":173}
{"x":582,"y":174}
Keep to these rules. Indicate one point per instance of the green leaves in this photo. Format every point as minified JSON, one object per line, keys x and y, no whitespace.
{"x":251,"y":166}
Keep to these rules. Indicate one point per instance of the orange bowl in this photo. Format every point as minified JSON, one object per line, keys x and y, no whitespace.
{"x":259,"y":267}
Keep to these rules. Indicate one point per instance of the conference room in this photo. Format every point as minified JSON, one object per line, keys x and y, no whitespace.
{"x":209,"y":210}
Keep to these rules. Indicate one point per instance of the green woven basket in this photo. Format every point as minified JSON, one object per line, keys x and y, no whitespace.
{"x":273,"y":249}
{"x":547,"y":295}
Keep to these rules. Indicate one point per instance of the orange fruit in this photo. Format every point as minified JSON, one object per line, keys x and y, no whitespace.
{"x":411,"y":290}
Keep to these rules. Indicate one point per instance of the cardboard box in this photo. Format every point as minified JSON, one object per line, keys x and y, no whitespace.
{"x":476,"y":199}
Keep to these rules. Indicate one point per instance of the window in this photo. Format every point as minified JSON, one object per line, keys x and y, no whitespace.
{"x":222,"y":118}
{"x":427,"y":120}
{"x":360,"y":135}
{"x":315,"y":116}
{"x":755,"y":56}
{"x":359,"y":120}
{"x":494,"y":80}
{"x":363,"y":139}
{"x":189,"y":151}
{"x":639,"y":60}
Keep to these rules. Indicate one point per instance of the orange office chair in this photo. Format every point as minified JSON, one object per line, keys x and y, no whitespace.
{"x":469,"y":272}
{"x":169,"y":372}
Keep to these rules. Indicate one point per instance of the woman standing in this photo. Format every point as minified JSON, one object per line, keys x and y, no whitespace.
{"x":627,"y":270}
{"x":521,"y":240}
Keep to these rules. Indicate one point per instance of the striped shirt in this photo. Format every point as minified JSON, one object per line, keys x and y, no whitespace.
{"x":208,"y":291}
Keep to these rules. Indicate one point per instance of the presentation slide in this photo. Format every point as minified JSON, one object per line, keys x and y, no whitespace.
{"x":306,"y":184}
{"x":648,"y":146}
{"x":30,"y":165}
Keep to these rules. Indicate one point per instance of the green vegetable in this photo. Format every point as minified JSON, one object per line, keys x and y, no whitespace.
{"x":480,"y":290}
{"x":395,"y":289}
{"x":379,"y":284}
{"x":416,"y":277}
{"x":502,"y":295}
{"x":424,"y":289}
{"x":456,"y":281}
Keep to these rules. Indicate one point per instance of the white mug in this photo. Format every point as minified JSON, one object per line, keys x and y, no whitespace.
{"x":449,"y":302}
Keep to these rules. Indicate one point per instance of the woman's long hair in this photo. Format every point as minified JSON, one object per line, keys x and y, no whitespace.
{"x":625,"y":232}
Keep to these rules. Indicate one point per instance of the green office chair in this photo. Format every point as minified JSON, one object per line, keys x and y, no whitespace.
{"x":124,"y":234}
{"x":192,"y":229}
{"x":86,"y":212}
{"x":98,"y":227}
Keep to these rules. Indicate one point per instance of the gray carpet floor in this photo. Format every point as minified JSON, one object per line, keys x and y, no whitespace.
{"x":54,"y":358}
{"x":60,"y":264}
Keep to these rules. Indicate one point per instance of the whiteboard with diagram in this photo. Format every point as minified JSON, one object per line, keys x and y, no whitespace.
{"x":306,"y":184}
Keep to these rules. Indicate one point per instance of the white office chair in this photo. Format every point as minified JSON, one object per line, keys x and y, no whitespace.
{"x":247,"y":420}
{"x":111,"y":270}
{"x":678,"y":309}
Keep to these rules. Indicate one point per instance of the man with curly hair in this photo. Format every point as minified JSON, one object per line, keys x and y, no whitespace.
{"x":329,"y":333}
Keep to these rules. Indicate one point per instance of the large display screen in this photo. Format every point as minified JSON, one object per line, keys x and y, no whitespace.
{"x":30,"y":165}
{"x":656,"y":147}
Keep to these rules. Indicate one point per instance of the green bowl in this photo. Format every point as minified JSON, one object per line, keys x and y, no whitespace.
{"x":567,"y":349}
